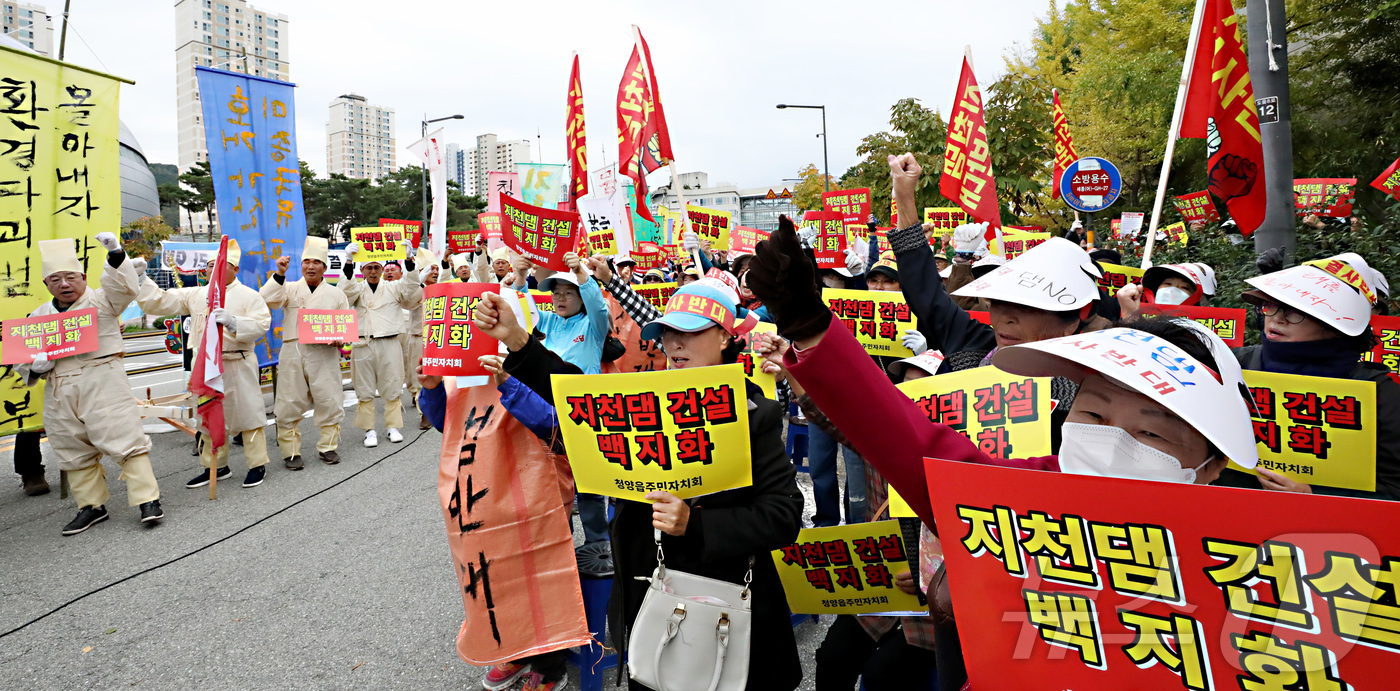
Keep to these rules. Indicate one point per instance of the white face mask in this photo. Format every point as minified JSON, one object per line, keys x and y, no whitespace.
{"x":1109,"y":451}
{"x":1171,"y":295}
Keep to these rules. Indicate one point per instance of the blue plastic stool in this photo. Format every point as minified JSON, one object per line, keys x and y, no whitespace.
{"x":590,"y":660}
{"x":797,"y":442}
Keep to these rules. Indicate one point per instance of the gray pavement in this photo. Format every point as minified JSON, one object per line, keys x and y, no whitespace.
{"x":332,"y":577}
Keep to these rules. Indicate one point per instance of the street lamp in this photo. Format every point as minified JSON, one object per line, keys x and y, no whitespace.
{"x":422,"y":239}
{"x":826,"y":167}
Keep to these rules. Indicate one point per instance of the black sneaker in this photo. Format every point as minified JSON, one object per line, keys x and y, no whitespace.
{"x":87,"y":517}
{"x":151,"y":511}
{"x":594,"y":559}
{"x":294,"y":463}
{"x":202,"y":479}
{"x":238,"y":439}
{"x":330,"y":457}
{"x":255,"y":476}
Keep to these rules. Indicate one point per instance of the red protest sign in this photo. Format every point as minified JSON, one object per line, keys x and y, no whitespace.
{"x":648,"y":256}
{"x":327,"y":327}
{"x":55,"y":335}
{"x":1329,"y":197}
{"x":744,"y":239}
{"x":452,"y":344}
{"x":415,"y":228}
{"x":1387,"y":352}
{"x":1196,"y":206}
{"x":1081,"y":582}
{"x":460,"y":241}
{"x":490,"y":224}
{"x":1389,"y":180}
{"x":853,"y":205}
{"x":830,"y":242}
{"x":541,"y":235}
{"x":1227,"y":322}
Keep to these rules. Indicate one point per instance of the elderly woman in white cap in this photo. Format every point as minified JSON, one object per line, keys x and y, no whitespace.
{"x":1162,"y":401}
{"x":1323,"y":338}
{"x":1189,"y":285}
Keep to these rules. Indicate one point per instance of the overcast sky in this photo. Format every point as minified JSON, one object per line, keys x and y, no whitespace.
{"x":722,"y":67}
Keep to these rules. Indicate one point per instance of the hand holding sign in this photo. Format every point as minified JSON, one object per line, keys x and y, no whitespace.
{"x":669,"y":514}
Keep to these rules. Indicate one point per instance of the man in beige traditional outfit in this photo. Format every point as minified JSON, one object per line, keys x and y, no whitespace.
{"x":89,"y":411}
{"x":379,"y":354}
{"x":245,"y":318}
{"x":308,"y":375}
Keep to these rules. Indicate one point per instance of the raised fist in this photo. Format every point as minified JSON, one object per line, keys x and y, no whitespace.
{"x":1232,"y":176}
{"x":283,"y":263}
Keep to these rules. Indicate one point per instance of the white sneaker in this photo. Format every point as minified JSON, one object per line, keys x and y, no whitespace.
{"x":371,"y":439}
{"x":394,"y":435}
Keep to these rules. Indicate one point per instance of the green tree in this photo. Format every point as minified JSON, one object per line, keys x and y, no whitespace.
{"x":142,"y":237}
{"x":200,"y":200}
{"x":914,"y":129}
{"x":173,"y":197}
{"x":807,"y":194}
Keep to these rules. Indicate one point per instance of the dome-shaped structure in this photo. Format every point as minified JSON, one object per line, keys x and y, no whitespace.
{"x":139,"y":196}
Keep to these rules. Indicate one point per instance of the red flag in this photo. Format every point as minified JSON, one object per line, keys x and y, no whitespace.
{"x":1220,"y":109}
{"x":643,"y":140}
{"x":207,"y":377}
{"x":967,"y":160}
{"x":1064,"y":147}
{"x":574,"y":132}
{"x":1389,"y":181}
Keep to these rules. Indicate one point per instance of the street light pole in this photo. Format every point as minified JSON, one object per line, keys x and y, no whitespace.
{"x":826,"y":165}
{"x":423,"y":175}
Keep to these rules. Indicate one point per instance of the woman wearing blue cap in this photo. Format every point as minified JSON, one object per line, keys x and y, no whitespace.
{"x":717,"y":535}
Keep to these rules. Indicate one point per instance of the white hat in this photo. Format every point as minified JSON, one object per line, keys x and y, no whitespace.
{"x":547,"y":285}
{"x":1215,"y":403}
{"x":1318,"y":293}
{"x":501,"y":253}
{"x":987,"y":264}
{"x":624,"y":259}
{"x":1198,"y":273}
{"x":1056,"y":275}
{"x":460,"y":260}
{"x":318,"y":249}
{"x":1374,"y":278}
{"x":59,"y":255}
{"x":946,"y":272}
{"x":928,"y":361}
{"x":968,"y":237}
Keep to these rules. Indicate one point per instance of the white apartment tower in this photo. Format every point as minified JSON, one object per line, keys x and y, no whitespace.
{"x":498,"y":157}
{"x":360,"y":139}
{"x":228,"y":35}
{"x":461,"y":168}
{"x":29,"y":24}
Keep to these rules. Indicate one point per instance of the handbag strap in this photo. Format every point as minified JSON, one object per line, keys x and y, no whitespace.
{"x":673,"y":627}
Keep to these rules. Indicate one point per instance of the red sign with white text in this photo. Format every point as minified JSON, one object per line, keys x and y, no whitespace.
{"x":648,"y":256}
{"x":1227,"y":322}
{"x":1083,"y":582}
{"x":744,"y":240}
{"x":853,"y":205}
{"x":415,"y":228}
{"x":327,"y":327}
{"x":452,"y":344}
{"x":56,"y":335}
{"x":541,"y":235}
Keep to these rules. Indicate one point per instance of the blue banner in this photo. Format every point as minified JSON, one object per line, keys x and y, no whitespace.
{"x":250,"y":131}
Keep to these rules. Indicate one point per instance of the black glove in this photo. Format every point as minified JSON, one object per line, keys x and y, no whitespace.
{"x":1270,"y":261}
{"x":783,"y":277}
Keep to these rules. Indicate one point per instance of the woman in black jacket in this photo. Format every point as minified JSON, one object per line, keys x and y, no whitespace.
{"x":716,"y":535}
{"x":1305,"y":336}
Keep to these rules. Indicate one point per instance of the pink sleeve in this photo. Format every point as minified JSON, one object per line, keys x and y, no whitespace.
{"x":881,"y":422}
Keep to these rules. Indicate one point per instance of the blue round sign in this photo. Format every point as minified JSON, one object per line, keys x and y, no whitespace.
{"x":1090,"y":184}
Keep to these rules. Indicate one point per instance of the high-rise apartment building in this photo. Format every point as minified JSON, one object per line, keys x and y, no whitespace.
{"x":228,"y":35}
{"x":360,"y":139}
{"x":461,"y":168}
{"x":497,"y":156}
{"x":29,"y":24}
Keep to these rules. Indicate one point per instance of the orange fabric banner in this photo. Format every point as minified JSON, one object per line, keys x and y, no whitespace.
{"x":507,"y":511}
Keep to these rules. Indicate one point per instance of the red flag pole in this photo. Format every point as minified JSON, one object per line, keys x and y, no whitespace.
{"x":1197,"y":19}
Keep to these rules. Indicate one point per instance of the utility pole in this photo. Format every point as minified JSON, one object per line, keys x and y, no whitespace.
{"x":63,"y":35}
{"x":1268,"y":72}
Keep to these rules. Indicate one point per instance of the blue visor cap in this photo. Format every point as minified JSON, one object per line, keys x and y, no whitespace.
{"x":697,"y":307}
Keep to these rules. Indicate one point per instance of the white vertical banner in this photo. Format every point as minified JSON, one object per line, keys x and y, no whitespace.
{"x":618,"y":200}
{"x":430,"y":150}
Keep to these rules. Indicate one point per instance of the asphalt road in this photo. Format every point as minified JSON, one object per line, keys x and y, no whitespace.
{"x":333,"y":577}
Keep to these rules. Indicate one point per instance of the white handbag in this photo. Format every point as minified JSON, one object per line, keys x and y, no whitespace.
{"x":692,"y":633}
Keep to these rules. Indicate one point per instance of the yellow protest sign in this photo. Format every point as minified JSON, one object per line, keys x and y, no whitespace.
{"x":1315,"y":430}
{"x":378,"y":243}
{"x":1115,"y":277}
{"x":846,"y":569}
{"x":878,"y":319}
{"x":1176,"y":234}
{"x":711,"y":224}
{"x":682,"y":431}
{"x":60,"y":172}
{"x":753,"y":362}
{"x":944,"y":218}
{"x":1016,"y":243}
{"x":1006,"y":415}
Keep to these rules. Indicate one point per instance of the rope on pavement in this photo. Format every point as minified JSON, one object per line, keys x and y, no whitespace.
{"x":234,"y":534}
